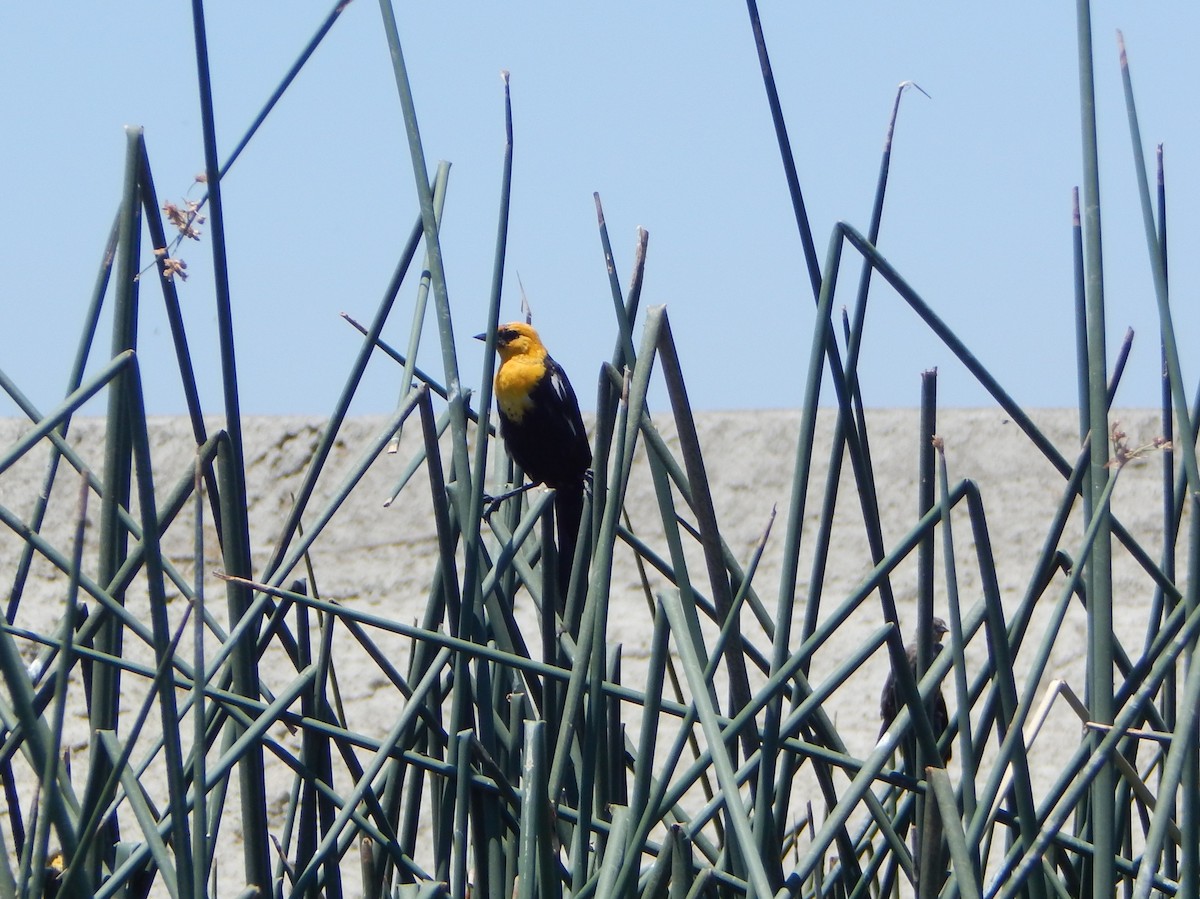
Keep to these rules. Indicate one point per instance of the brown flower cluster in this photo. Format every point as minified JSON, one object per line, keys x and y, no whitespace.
{"x":171,"y":265}
{"x":1124,"y":453}
{"x":184,"y":220}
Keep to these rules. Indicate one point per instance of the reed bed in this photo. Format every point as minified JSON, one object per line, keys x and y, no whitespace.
{"x":524,"y":760}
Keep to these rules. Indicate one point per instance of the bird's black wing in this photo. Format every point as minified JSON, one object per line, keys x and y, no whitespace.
{"x":574,"y":434}
{"x":550,"y":442}
{"x":565,"y":454}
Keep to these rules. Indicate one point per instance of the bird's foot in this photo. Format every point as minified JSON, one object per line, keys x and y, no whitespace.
{"x":492,"y":503}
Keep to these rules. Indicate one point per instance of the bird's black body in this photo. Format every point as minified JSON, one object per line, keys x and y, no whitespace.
{"x":543,"y":430}
{"x":549,"y":442}
{"x":890,"y":701}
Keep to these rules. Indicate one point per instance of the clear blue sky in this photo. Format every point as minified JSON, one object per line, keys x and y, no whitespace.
{"x":658,"y":107}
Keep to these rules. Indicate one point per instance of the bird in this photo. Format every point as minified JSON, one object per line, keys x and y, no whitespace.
{"x":890,"y":702}
{"x":543,"y":430}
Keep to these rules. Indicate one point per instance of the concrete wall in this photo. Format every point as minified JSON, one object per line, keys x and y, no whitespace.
{"x":380,"y":558}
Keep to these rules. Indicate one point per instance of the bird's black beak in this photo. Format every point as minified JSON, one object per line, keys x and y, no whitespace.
{"x":482,"y":336}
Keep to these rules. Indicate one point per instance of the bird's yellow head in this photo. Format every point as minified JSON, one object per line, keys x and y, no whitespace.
{"x":522,"y":367}
{"x":518,"y":339}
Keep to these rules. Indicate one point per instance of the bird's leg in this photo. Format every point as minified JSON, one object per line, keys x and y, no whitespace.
{"x":492,"y":503}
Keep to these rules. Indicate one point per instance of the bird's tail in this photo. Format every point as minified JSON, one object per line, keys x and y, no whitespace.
{"x":568,"y":512}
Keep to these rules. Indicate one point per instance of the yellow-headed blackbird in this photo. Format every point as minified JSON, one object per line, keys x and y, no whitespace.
{"x":543,"y":430}
{"x":890,"y":701}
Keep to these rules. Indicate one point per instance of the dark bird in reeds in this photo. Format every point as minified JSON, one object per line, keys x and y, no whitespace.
{"x":890,"y":701}
{"x":543,"y":430}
